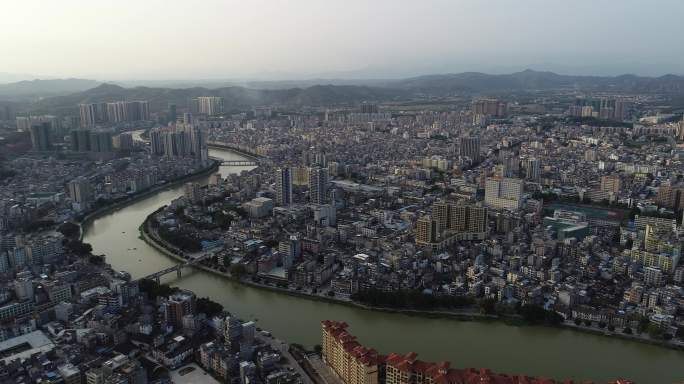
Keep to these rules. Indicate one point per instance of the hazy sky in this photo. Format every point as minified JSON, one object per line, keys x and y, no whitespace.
{"x":193,"y":39}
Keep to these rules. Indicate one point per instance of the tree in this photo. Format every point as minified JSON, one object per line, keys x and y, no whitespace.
{"x":79,"y":248}
{"x":318,"y":349}
{"x":415,"y":299}
{"x":643,"y":324}
{"x":96,"y":259}
{"x":238,"y":270}
{"x":611,"y":327}
{"x":680,"y":333}
{"x":155,"y":290}
{"x":487,"y":306}
{"x":208,"y":307}
{"x":627,"y":331}
{"x":578,"y":321}
{"x":601,"y":324}
{"x":538,"y":315}
{"x":655,"y":332}
{"x":69,"y":230}
{"x":587,"y":322}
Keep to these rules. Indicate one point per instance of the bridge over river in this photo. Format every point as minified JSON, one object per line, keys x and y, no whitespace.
{"x":156,"y":276}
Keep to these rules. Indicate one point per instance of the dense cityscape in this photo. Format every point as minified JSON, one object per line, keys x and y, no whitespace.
{"x":341,"y":192}
{"x":538,"y":213}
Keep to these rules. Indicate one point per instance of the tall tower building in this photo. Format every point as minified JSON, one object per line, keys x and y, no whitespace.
{"x":172,"y":114}
{"x":532,"y":168}
{"x":284,"y":186}
{"x":318,"y":185}
{"x":470,"y":147}
{"x":101,"y":141}
{"x":89,"y":115}
{"x":476,"y":219}
{"x":232,"y":331}
{"x":41,"y":136}
{"x":178,"y":305}
{"x":426,"y":230}
{"x":503,"y":192}
{"x":80,"y":140}
{"x":610,"y":183}
{"x":441,"y":213}
{"x":80,"y":190}
{"x":489,"y":107}
{"x":210,"y":105}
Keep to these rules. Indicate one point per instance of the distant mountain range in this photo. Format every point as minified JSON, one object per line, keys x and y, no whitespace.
{"x":235,"y":97}
{"x":476,"y":82}
{"x":64,"y":95}
{"x":27,"y":89}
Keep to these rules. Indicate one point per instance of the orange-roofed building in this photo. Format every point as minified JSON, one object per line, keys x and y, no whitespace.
{"x":356,"y":364}
{"x":351,"y":361}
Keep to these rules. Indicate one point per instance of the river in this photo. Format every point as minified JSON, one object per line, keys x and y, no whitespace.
{"x":538,"y":351}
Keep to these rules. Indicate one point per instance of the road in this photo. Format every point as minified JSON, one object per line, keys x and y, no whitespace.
{"x":283,"y":347}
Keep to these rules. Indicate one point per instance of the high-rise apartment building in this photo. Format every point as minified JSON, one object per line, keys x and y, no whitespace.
{"x":80,"y":190}
{"x":101,"y":141}
{"x":210,"y":105}
{"x":181,"y":140}
{"x":93,"y":114}
{"x":352,"y":362}
{"x":113,"y":112}
{"x":503,"y":192}
{"x":80,"y":140}
{"x":470,"y":147}
{"x":284,"y":186}
{"x":318,"y":185}
{"x":300,"y":176}
{"x":670,"y":196}
{"x":490,"y":107}
{"x":123,"y":142}
{"x":41,"y":136}
{"x":465,"y":221}
{"x":532,"y":167}
{"x":610,"y":183}
{"x":177,"y":306}
{"x":427,"y":229}
{"x":232,"y":332}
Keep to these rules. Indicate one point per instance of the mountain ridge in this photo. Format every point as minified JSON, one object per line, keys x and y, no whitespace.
{"x":465,"y":83}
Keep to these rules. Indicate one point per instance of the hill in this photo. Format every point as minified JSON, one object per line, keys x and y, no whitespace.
{"x":235,"y":97}
{"x":31,"y":89}
{"x":529,"y":80}
{"x":239,"y":97}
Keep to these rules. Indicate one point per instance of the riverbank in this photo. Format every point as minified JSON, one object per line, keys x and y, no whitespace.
{"x":165,"y":249}
{"x":146,"y":193}
{"x":512,"y":320}
{"x":224,"y":146}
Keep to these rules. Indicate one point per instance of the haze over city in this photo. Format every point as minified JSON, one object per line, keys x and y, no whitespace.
{"x":341,"y":192}
{"x":212,"y":39}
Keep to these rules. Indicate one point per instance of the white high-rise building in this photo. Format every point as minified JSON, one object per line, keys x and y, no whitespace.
{"x":503,"y":193}
{"x":318,"y":185}
{"x":210,"y":105}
